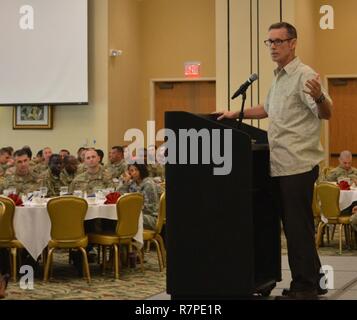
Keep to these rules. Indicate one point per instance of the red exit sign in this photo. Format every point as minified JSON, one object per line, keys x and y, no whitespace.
{"x":192,"y":69}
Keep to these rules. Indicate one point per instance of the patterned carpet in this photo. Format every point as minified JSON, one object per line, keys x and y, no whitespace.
{"x":66,"y":284}
{"x":133,"y":284}
{"x":327,"y":249}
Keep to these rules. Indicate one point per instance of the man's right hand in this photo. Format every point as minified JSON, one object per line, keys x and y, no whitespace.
{"x":226,"y":114}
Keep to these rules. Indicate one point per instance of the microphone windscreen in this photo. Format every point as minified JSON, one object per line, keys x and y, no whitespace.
{"x":253,"y":77}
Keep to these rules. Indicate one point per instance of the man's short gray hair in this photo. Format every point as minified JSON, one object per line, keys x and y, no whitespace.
{"x":345,"y":154}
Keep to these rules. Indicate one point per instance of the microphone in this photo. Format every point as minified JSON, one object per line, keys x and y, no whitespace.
{"x":243,"y":88}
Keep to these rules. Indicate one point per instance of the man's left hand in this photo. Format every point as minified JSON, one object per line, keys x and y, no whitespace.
{"x":314,"y":86}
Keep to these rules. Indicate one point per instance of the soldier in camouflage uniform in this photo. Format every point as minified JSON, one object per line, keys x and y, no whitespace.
{"x":6,"y":160}
{"x":117,"y":165}
{"x":80,"y":156}
{"x":94,"y":178}
{"x":137,"y":180}
{"x":42,"y":167}
{"x":157,"y":163}
{"x":344,"y":170}
{"x":23,"y":179}
{"x":69,"y":172}
{"x":51,"y":178}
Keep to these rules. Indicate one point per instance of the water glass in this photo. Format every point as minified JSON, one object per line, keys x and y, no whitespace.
{"x":63,"y":191}
{"x":347,"y":179}
{"x":78,"y":193}
{"x":36,"y":197}
{"x":43,"y":192}
{"x":99,"y":194}
{"x":12,"y":190}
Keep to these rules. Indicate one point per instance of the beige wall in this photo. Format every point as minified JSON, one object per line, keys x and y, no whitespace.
{"x":73,"y":125}
{"x":337,"y":49}
{"x":125,"y":109}
{"x":306,"y":18}
{"x":157,"y":37}
{"x":173,"y":32}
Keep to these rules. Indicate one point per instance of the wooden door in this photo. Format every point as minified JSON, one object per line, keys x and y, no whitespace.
{"x":343,"y":123}
{"x":190,"y":96}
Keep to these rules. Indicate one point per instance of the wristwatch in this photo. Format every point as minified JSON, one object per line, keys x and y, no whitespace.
{"x":320,"y":99}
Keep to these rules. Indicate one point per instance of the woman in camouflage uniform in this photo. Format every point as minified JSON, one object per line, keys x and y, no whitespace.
{"x":137,"y":179}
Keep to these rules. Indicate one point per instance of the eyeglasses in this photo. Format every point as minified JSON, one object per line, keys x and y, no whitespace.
{"x":277,"y":42}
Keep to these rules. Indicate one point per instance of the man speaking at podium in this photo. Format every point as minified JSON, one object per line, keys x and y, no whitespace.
{"x":295,"y":104}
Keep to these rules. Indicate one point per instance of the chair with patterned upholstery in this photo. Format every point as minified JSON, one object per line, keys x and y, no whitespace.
{"x":67,"y":215}
{"x":129,"y":208}
{"x":7,"y":233}
{"x":154,"y":235}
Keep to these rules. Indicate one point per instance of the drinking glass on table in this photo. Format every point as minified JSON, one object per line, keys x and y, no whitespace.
{"x":43,"y":192}
{"x":78,"y":193}
{"x":63,"y":191}
{"x":99,"y":194}
{"x":36,"y":197}
{"x":12,"y":190}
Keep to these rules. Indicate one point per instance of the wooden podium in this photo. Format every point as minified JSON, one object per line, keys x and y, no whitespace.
{"x":223,"y":236}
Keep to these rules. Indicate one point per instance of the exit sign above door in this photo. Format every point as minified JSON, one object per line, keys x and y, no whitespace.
{"x":192,"y":69}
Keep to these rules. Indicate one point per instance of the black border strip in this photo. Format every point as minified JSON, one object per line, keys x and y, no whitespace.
{"x":251,"y":53}
{"x":229,"y":54}
{"x":281,"y":10}
{"x":258,"y":55}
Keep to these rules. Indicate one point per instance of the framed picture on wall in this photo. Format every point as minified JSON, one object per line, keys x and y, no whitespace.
{"x":33,"y":117}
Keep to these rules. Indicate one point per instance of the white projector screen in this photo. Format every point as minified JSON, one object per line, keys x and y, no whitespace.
{"x":43,"y":52}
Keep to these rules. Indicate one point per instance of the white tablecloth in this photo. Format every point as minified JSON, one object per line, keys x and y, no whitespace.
{"x":347,"y":197}
{"x":33,"y":226}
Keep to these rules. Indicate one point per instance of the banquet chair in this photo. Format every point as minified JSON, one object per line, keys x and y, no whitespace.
{"x":67,"y":215}
{"x":317,"y":215}
{"x":325,"y":172}
{"x":7,"y":233}
{"x":154,"y":235}
{"x":329,"y":195}
{"x":128,"y":208}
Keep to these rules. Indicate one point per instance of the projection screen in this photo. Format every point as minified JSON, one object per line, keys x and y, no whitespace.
{"x":43,"y":52}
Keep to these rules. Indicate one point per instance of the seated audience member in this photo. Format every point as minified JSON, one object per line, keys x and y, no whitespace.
{"x":117,"y":164}
{"x":6,"y":160}
{"x":155,"y":167}
{"x":69,"y":171}
{"x":101,"y":156}
{"x":10,"y":149}
{"x":344,"y":170}
{"x":141,"y":156}
{"x":127,"y":154}
{"x":63,"y":153}
{"x":137,"y":179}
{"x":80,"y":156}
{"x":39,"y":157}
{"x":23,"y":179}
{"x":51,"y":178}
{"x":94,"y":178}
{"x":43,"y":166}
